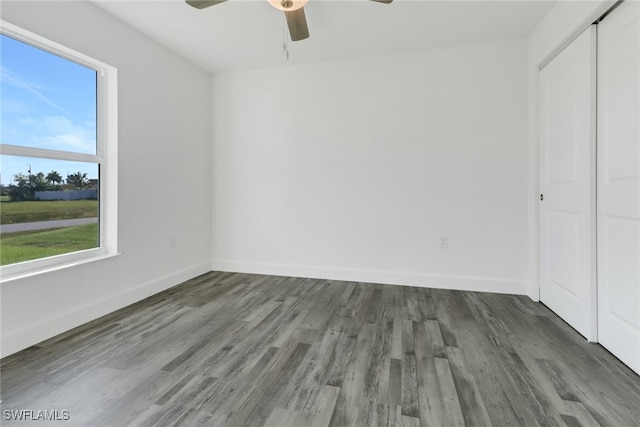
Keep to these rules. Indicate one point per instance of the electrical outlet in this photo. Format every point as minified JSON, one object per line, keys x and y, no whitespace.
{"x":444,"y":242}
{"x":173,"y":242}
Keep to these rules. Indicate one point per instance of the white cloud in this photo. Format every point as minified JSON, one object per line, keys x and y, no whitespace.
{"x":53,"y":133}
{"x":31,"y":88}
{"x":60,"y":133}
{"x":80,"y":141}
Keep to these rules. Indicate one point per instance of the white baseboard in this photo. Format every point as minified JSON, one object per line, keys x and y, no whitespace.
{"x":33,"y":334}
{"x":533,"y":291}
{"x":461,"y":283}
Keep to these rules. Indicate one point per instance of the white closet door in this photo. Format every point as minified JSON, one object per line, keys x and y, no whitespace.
{"x":567,"y":182}
{"x":619,"y":183}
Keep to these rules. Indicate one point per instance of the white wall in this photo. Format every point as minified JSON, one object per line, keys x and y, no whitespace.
{"x":564,"y":21}
{"x":164,"y":177}
{"x":354,"y":169}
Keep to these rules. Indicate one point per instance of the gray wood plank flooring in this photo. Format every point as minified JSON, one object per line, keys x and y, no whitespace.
{"x":229,"y":349}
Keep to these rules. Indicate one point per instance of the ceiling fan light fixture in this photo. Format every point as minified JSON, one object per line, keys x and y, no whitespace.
{"x":288,"y":5}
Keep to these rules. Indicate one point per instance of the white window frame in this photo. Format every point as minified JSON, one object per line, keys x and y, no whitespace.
{"x":106,"y":157}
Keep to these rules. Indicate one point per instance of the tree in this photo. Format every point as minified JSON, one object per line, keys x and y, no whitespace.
{"x":78,"y":180}
{"x":22,"y":188}
{"x":26,"y":186}
{"x":38,"y":182}
{"x":21,"y":180}
{"x":54,"y":179}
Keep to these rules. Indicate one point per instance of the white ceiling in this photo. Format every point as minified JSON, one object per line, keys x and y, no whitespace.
{"x":246,"y":34}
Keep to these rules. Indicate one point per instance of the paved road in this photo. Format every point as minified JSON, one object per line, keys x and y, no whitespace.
{"x":43,"y":225}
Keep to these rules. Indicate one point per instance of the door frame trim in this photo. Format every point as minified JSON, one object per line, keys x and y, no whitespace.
{"x":593,"y":19}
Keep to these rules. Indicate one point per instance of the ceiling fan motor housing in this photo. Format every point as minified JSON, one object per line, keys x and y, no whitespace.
{"x":288,"y":5}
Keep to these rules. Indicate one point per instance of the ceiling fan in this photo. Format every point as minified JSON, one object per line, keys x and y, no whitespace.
{"x":293,"y":11}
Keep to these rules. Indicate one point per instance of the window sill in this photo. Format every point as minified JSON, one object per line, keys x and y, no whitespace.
{"x":26,"y":272}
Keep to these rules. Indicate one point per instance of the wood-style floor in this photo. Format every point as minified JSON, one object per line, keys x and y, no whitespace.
{"x":230,"y":349}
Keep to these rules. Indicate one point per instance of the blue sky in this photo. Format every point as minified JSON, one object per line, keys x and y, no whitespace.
{"x":46,"y":102}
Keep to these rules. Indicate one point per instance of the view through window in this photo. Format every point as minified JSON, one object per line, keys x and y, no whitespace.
{"x":50,"y":163}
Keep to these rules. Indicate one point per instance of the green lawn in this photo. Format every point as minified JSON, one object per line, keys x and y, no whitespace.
{"x":24,"y":246}
{"x":16,"y":212}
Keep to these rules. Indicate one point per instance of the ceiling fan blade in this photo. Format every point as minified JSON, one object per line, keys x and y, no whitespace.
{"x":297,"y":23}
{"x":383,"y":1}
{"x":201,"y":4}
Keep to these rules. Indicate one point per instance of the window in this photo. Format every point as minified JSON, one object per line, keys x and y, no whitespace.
{"x":57,"y":155}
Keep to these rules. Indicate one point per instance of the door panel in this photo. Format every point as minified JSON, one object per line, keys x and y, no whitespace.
{"x":567,"y":181}
{"x":563,"y":254}
{"x":619,"y":183}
